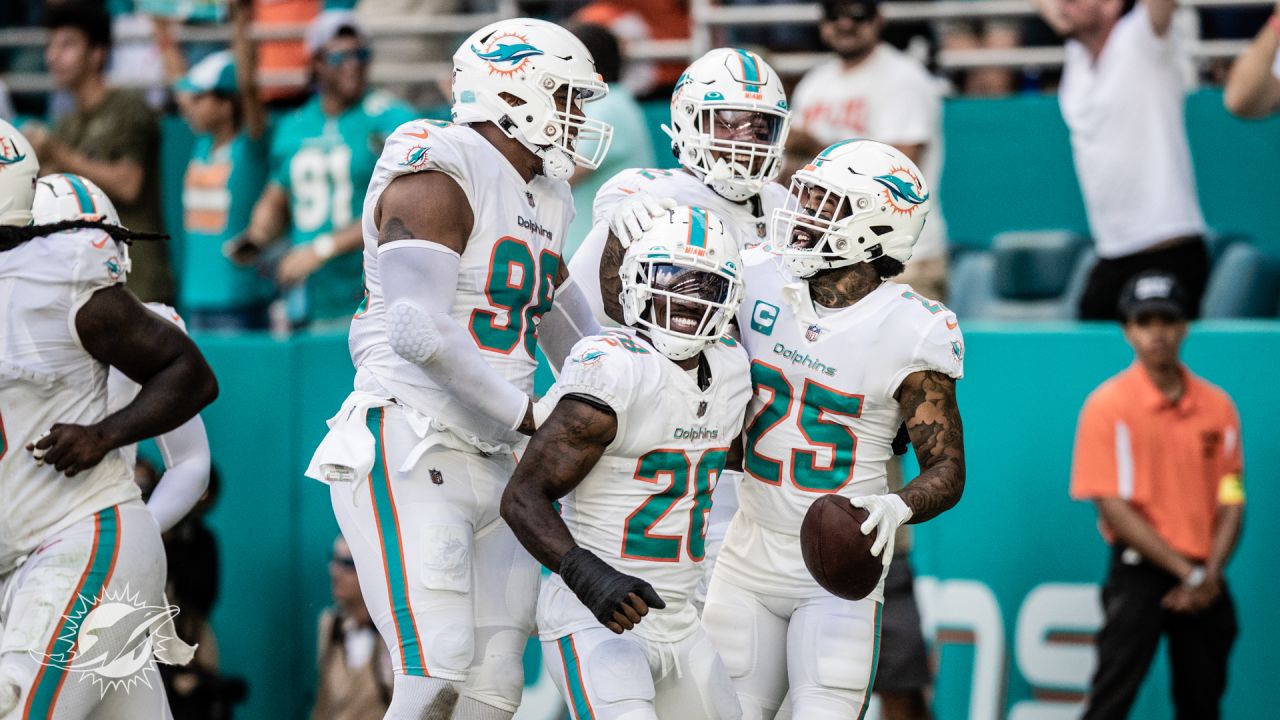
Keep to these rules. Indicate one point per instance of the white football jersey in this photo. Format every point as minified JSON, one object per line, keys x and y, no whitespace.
{"x":47,"y":377}
{"x":121,"y":390}
{"x":643,"y":508}
{"x":505,"y":279}
{"x":748,"y":221}
{"x":823,"y":414}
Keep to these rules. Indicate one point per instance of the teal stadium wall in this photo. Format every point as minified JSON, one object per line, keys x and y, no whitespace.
{"x":980,"y":564}
{"x":1012,"y":551}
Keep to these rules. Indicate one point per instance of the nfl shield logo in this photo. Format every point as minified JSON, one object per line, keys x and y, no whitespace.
{"x":529,"y":196}
{"x":702,"y":408}
{"x":812,"y":333}
{"x":437,"y":478}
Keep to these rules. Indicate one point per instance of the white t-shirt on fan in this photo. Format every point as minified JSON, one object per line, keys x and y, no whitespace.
{"x":889,"y":98}
{"x":1125,"y":112}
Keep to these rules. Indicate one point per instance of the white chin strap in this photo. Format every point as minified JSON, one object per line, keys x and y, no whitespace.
{"x":675,"y":347}
{"x":556,"y":163}
{"x":729,"y":185}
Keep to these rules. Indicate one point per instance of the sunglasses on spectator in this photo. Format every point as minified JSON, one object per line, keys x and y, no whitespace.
{"x":346,"y":562}
{"x":854,"y":12}
{"x":335,"y":58}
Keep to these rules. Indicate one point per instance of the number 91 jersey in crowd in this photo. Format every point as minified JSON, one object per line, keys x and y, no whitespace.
{"x":823,"y":416}
{"x":643,"y":508}
{"x":505,"y":279}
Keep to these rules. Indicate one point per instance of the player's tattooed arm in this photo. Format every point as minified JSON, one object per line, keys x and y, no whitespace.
{"x":610,"y":279}
{"x":561,"y":453}
{"x":425,"y":206}
{"x":928,"y":401}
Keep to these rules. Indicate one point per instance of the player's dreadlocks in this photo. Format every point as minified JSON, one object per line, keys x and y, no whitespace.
{"x":11,"y":236}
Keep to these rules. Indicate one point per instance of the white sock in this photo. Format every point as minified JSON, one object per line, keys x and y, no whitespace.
{"x":422,"y":698}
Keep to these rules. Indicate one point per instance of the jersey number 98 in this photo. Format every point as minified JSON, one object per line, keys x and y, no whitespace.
{"x":523,"y":289}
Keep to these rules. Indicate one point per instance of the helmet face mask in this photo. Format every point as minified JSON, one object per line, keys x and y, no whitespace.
{"x":857,"y":201}
{"x":681,"y":284}
{"x":729,"y":122}
{"x":530,"y":78}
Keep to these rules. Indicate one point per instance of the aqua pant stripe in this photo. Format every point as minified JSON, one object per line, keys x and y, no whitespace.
{"x":61,"y":649}
{"x":875,"y":662}
{"x":388,"y":523}
{"x":578,"y":701}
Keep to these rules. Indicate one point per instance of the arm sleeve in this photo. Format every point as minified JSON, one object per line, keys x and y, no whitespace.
{"x":1094,"y":473}
{"x":584,"y":268}
{"x":186,"y":476}
{"x":419,"y":282}
{"x":569,"y":320}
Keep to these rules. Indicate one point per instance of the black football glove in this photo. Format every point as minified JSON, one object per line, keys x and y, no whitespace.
{"x":600,"y":587}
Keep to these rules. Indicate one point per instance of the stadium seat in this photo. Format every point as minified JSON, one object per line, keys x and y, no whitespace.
{"x":1035,"y":265}
{"x":1244,"y":283}
{"x":971,"y":285}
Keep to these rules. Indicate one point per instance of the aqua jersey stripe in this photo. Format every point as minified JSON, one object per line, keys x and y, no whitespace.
{"x":697,"y":227}
{"x":384,"y":509}
{"x":750,"y":70}
{"x":87,"y":205}
{"x":61,"y":649}
{"x":573,"y":680}
{"x":875,"y":664}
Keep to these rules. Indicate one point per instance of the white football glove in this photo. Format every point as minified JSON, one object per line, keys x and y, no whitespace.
{"x":885,"y":514}
{"x":634,"y":216}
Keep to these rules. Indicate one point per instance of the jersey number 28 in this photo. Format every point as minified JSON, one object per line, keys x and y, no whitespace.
{"x":639,"y":540}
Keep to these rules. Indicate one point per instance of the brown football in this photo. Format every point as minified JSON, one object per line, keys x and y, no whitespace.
{"x":836,"y":552}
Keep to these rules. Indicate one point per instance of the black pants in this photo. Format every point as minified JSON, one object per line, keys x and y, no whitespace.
{"x":1188,"y":261}
{"x":1198,"y":645}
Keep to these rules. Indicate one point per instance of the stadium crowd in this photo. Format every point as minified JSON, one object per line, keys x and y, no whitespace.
{"x":287,"y":131}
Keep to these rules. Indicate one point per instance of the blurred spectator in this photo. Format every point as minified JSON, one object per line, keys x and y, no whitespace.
{"x":410,"y":50}
{"x":631,"y":147}
{"x":354,"y":675}
{"x":872,"y":90}
{"x":110,"y":137}
{"x":1253,"y":87}
{"x":225,"y":176}
{"x":1158,"y":452}
{"x":632,"y":20}
{"x":322,"y":157}
{"x":284,"y":60}
{"x":1124,"y":108}
{"x":988,"y":34}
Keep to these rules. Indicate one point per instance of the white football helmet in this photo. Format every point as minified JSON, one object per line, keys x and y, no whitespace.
{"x":64,"y":196}
{"x":729,"y":122}
{"x":857,"y":201}
{"x":531,"y":61}
{"x":682,"y":281}
{"x":18,"y":170}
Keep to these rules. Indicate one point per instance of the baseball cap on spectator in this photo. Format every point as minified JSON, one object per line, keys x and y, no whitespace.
{"x":216,"y":74}
{"x":329,"y":25}
{"x":856,"y":9}
{"x":1154,"y":292}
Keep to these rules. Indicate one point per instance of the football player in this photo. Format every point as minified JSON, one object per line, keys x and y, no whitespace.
{"x":729,"y":121}
{"x":840,"y":356}
{"x":641,"y":424}
{"x":185,"y":449}
{"x":73,"y":529}
{"x":463,"y":225}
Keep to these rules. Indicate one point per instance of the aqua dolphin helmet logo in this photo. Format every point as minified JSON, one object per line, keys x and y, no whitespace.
{"x":513,"y":55}
{"x":9,"y":153}
{"x":903,"y":190}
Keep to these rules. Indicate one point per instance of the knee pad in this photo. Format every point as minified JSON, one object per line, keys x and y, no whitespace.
{"x":734,"y":639}
{"x":843,"y":651}
{"x":616,"y":671}
{"x":497,"y":677}
{"x":411,"y":333}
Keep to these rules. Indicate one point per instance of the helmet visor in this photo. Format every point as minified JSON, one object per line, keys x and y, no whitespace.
{"x":686,"y":301}
{"x":748,"y":141}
